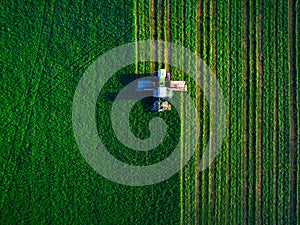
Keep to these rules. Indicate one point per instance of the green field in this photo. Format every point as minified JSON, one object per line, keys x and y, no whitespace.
{"x":251,"y":46}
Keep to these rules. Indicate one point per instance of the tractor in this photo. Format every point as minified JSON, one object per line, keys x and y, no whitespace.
{"x":162,"y":88}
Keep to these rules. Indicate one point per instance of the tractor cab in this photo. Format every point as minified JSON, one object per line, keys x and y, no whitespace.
{"x":160,"y":105}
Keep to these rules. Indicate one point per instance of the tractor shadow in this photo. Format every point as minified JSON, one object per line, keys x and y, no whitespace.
{"x":123,"y":80}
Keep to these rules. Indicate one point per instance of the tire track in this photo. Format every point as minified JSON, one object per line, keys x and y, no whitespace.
{"x":161,"y":33}
{"x":183,"y":170}
{"x":220,"y":166}
{"x":245,"y":113}
{"x":212,"y":56}
{"x":260,"y":107}
{"x":283,"y":109}
{"x":276,"y":129}
{"x":297,"y":28}
{"x":292,"y":109}
{"x":32,"y":68}
{"x":188,"y":170}
{"x":228,"y":156}
{"x":23,"y":108}
{"x":252,"y":113}
{"x":71,"y":65}
{"x":198,"y":99}
{"x":136,"y":18}
{"x":205,"y":183}
{"x":153,"y":33}
{"x":168,"y":30}
{"x":239,"y":17}
{"x":32,"y":101}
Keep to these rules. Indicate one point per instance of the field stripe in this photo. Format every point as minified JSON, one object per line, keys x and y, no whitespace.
{"x":161,"y":29}
{"x":246,"y":87}
{"x":229,"y":144}
{"x":297,"y":28}
{"x":197,"y":153}
{"x":168,"y":35}
{"x":136,"y":21}
{"x":234,"y":112}
{"x":252,"y":113}
{"x":292,"y":109}
{"x":153,"y":33}
{"x":259,"y":71}
{"x":239,"y":16}
{"x":185,"y":186}
{"x":220,"y":166}
{"x":212,"y":67}
{"x":267,"y":142}
{"x":272,"y":115}
{"x":199,"y":100}
{"x":205,"y":181}
{"x":189,"y":14}
{"x":275,"y":150}
{"x":275,"y":107}
{"x":283,"y":109}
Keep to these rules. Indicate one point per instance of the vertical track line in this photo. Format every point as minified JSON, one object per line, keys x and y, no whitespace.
{"x":228,"y":201}
{"x":292,"y":107}
{"x":275,"y":138}
{"x":297,"y":31}
{"x":197,"y":174}
{"x":245,"y":114}
{"x":259,"y":72}
{"x":136,"y":20}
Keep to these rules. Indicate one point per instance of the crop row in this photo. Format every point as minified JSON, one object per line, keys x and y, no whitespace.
{"x":244,"y":45}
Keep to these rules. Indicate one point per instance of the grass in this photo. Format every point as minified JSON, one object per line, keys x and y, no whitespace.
{"x":46,"y":47}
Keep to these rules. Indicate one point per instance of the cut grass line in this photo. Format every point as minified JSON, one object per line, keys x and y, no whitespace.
{"x":188,"y":172}
{"x":136,"y":20}
{"x":228,"y":182}
{"x":275,"y":138}
{"x":239,"y":16}
{"x":153,"y":33}
{"x":205,"y":182}
{"x":162,"y":32}
{"x":168,"y":35}
{"x":292,"y":114}
{"x":183,"y":173}
{"x":259,"y":72}
{"x":283,"y":109}
{"x":245,"y":114}
{"x":252,"y":113}
{"x":297,"y":75}
{"x":197,"y":153}
{"x":212,"y":57}
{"x":221,"y":172}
